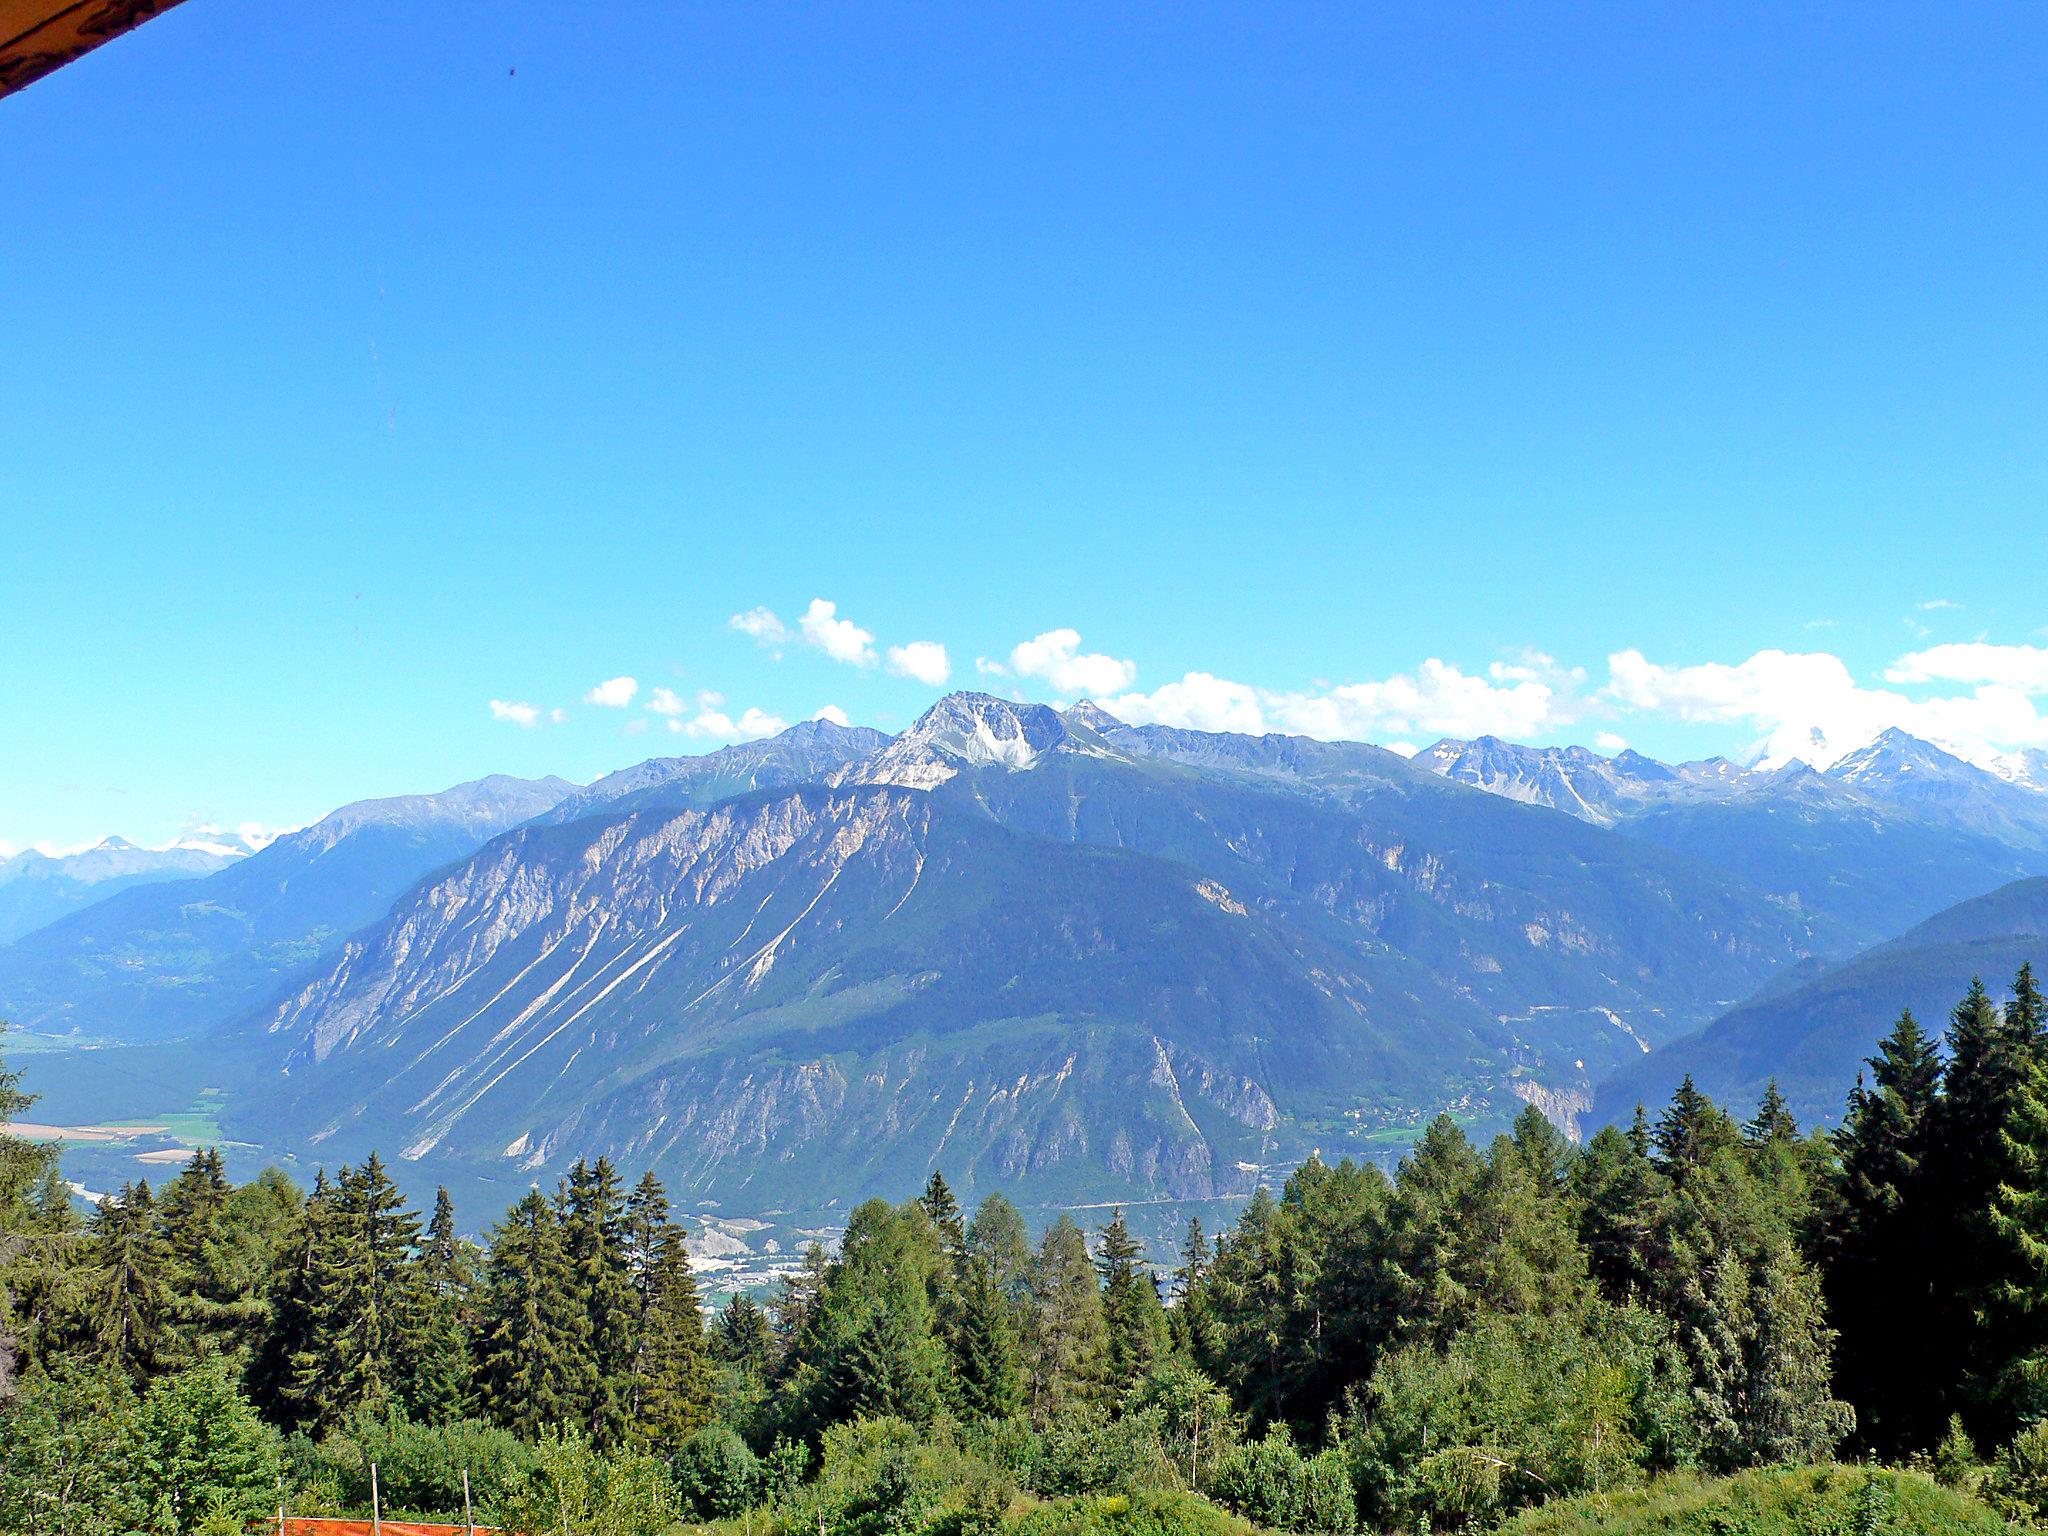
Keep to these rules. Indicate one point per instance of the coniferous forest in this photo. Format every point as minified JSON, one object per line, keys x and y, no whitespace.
{"x":1709,"y":1320}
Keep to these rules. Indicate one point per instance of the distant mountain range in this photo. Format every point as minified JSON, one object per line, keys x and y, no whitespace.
{"x":1889,"y":835}
{"x":1082,"y":959}
{"x":38,"y":888}
{"x":162,"y":960}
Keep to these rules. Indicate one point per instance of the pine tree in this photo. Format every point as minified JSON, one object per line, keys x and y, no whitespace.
{"x":1691,"y":1132}
{"x":944,"y":1213}
{"x":743,"y":1338}
{"x":1620,"y":1194}
{"x":2013,"y":1309}
{"x":983,"y":1339}
{"x":1131,"y":1309}
{"x":208,"y":1311}
{"x":533,"y":1348}
{"x":1069,"y":1342}
{"x":128,"y":1305}
{"x":594,"y":1238}
{"x":1880,"y":1275}
{"x":365,"y":1307}
{"x":1971,"y":1156}
{"x":997,"y":1235}
{"x":669,"y":1394}
{"x":438,"y":1388}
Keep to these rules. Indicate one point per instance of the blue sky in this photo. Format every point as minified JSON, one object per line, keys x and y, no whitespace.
{"x":1391,"y":370}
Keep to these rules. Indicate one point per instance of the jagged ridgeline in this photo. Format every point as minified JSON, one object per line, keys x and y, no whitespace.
{"x":1076,"y":959}
{"x":1053,"y":952}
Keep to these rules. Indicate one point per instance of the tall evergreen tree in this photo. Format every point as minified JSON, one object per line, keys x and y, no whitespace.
{"x":1131,"y":1309}
{"x":533,"y":1348}
{"x":1069,"y":1341}
{"x":944,"y":1213}
{"x":983,"y":1339}
{"x":669,"y":1394}
{"x":438,"y":1386}
{"x":1881,"y":1270}
{"x":128,"y":1306}
{"x":365,"y":1307}
{"x":2013,"y":1307}
{"x":593,"y":1221}
{"x":743,"y":1338}
{"x":1970,"y":1157}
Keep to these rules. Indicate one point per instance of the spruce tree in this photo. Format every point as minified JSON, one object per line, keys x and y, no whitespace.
{"x":983,"y":1339}
{"x":944,"y":1213}
{"x":2013,"y":1308}
{"x":128,"y":1306}
{"x":743,"y":1338}
{"x":365,"y":1307}
{"x":1620,"y":1194}
{"x":998,"y":1235}
{"x":438,"y":1389}
{"x":533,"y":1348}
{"x":1881,"y":1270}
{"x":1971,"y":1155}
{"x":593,"y":1224}
{"x":668,"y":1396}
{"x":1131,"y":1309}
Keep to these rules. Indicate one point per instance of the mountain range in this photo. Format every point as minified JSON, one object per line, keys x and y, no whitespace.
{"x":1079,"y":958}
{"x":37,"y":888}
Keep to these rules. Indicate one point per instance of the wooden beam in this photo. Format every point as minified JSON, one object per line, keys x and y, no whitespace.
{"x":37,"y":36}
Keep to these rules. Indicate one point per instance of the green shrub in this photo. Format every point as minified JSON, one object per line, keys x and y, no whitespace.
{"x":577,"y":1490}
{"x":1086,"y":1450}
{"x":419,"y":1466}
{"x":1148,"y":1512}
{"x":1270,"y":1482}
{"x":716,"y":1476}
{"x":67,"y":1441}
{"x":1775,"y":1501}
{"x":200,"y":1452}
{"x":2017,"y":1483}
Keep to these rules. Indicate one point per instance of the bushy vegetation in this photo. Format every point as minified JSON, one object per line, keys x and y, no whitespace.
{"x":1642,"y":1333}
{"x":1777,"y":1501}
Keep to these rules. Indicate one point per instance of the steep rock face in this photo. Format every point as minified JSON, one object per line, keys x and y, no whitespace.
{"x":1078,"y":959}
{"x":825,"y":989}
{"x":1906,"y":771}
{"x":807,"y":753}
{"x":163,"y":960}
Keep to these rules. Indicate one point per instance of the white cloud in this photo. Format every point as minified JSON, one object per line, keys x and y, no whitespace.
{"x":833,"y":713}
{"x":515,"y":713}
{"x":613,"y":693}
{"x":664,"y":701}
{"x":922,"y":660}
{"x":989,"y":668}
{"x":1200,"y":701}
{"x":716,"y":725}
{"x":841,"y":639}
{"x":1055,"y":656}
{"x":762,"y":625}
{"x":1518,"y":700}
{"x":1809,"y":706}
{"x":1402,"y":748}
{"x":1607,"y":741}
{"x":2024,"y":667}
{"x":1937,"y":605}
{"x":1525,"y":697}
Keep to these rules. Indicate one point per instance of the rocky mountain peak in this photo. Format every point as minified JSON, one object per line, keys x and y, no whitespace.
{"x":971,"y":730}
